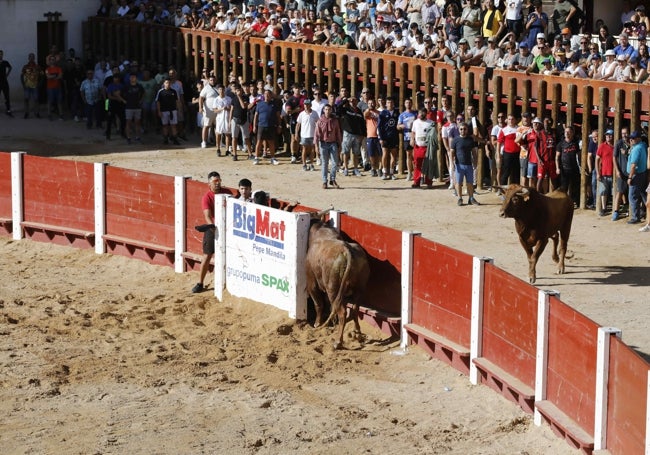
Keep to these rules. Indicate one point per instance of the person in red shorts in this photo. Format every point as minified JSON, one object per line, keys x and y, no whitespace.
{"x":419,"y":130}
{"x":546,"y":172}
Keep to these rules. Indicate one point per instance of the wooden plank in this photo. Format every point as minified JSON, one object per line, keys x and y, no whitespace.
{"x":568,"y":427}
{"x":462,"y":351}
{"x":526,"y":392}
{"x":137,"y":243}
{"x":51,"y":228}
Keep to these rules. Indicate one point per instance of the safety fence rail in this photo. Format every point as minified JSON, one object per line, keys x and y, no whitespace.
{"x":499,"y":330}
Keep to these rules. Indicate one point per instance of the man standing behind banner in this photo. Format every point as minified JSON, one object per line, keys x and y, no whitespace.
{"x":209,"y":230}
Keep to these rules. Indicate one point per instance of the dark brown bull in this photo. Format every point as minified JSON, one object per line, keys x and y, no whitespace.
{"x":337,"y":271}
{"x":539,"y":217}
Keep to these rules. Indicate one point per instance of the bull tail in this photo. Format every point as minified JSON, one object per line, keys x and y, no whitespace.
{"x":338,"y":301}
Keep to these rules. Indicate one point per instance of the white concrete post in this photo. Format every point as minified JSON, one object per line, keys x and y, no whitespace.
{"x":335,"y":218}
{"x":179,"y":223}
{"x":220,"y":245}
{"x":476,"y":321}
{"x":17,"y":194}
{"x":407,"y":284}
{"x":541,"y":357}
{"x":99,"y":173}
{"x":602,"y":380}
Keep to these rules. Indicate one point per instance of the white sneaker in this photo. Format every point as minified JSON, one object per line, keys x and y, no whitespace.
{"x":256,"y":161}
{"x":203,"y":145}
{"x":317,"y":161}
{"x":645,"y":228}
{"x":274,"y":162}
{"x":293,"y":160}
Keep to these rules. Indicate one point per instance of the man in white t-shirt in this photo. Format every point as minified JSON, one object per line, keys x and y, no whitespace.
{"x":207,"y":99}
{"x":305,"y":127}
{"x":419,"y":131}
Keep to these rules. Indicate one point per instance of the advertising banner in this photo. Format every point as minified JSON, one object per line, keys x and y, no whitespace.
{"x":265,"y":252}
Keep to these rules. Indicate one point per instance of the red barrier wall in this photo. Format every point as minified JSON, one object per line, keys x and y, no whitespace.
{"x":510,"y":323}
{"x":5,"y":193}
{"x":442,"y":290}
{"x":140,"y":207}
{"x":572,"y":347}
{"x":628,"y":393}
{"x":58,"y":193}
{"x":194,"y":191}
{"x":384,"y":248}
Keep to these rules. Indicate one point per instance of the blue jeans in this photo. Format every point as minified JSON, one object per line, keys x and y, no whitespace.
{"x":328,"y":151}
{"x":637,"y":195}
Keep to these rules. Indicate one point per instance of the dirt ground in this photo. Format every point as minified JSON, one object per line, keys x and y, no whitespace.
{"x":103,"y":354}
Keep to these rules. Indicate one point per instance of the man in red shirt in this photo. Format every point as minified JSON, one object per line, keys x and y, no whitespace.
{"x":54,"y":75}
{"x":208,"y":229}
{"x":605,"y":169}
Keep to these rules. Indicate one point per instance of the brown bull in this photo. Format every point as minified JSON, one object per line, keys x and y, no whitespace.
{"x":539,"y":217}
{"x":337,"y":271}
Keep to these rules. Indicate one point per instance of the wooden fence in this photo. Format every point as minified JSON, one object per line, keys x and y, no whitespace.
{"x":585,"y":103}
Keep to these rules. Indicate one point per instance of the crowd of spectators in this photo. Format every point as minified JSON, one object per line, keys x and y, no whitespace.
{"x":517,"y":35}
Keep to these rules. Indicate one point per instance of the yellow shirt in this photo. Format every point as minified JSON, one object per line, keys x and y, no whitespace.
{"x":492,"y":31}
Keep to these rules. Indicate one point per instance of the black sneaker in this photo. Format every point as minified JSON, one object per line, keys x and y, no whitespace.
{"x":472,"y":201}
{"x":460,"y":201}
{"x":198,"y":287}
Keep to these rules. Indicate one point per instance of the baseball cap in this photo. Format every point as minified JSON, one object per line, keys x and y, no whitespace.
{"x":635,"y":134}
{"x":307,"y":101}
{"x":541,"y":35}
{"x":537,"y":120}
{"x":524,"y":44}
{"x":610,"y":132}
{"x":609,"y":52}
{"x":462,"y":41}
{"x":596,"y":56}
{"x":621,"y":58}
{"x":566,"y":31}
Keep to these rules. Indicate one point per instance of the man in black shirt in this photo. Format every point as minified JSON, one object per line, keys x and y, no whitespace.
{"x":567,"y":154}
{"x":464,"y":151}
{"x":166,"y":102}
{"x":133,"y":94}
{"x":5,"y":69}
{"x":239,"y":121}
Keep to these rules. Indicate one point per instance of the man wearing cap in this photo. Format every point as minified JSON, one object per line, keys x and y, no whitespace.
{"x":400,"y":44}
{"x":367,"y":40}
{"x":622,"y":71}
{"x":637,"y":176}
{"x":605,"y":170}
{"x":607,"y":68}
{"x":258,"y":28}
{"x":539,"y":65}
{"x":541,"y":165}
{"x":540,"y":43}
{"x":523,"y":59}
{"x":352,"y":18}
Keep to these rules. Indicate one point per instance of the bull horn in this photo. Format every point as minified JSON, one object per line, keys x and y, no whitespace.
{"x":524,"y":191}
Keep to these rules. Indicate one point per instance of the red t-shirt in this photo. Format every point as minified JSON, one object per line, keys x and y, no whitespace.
{"x":53,"y":83}
{"x":606,"y":153}
{"x":507,"y":137}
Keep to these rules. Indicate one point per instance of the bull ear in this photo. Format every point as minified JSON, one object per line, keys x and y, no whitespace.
{"x":524,"y":193}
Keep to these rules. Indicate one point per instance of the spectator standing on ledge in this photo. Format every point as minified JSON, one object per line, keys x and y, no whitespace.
{"x":5,"y":69}
{"x":207,"y":205}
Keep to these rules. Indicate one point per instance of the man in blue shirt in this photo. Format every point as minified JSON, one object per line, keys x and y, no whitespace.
{"x":637,"y":178}
{"x":266,"y":125}
{"x":388,"y":138}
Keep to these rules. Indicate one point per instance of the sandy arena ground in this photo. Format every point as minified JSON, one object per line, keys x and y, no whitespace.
{"x":103,"y":354}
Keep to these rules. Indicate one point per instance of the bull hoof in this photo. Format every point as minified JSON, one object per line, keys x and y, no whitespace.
{"x":338,"y":346}
{"x":531,"y":279}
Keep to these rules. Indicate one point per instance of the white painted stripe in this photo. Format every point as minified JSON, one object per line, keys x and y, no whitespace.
{"x":602,"y":380}
{"x":99,"y":172}
{"x":476,"y":318}
{"x":17,"y":194}
{"x":407,"y":284}
{"x":541,"y":356}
